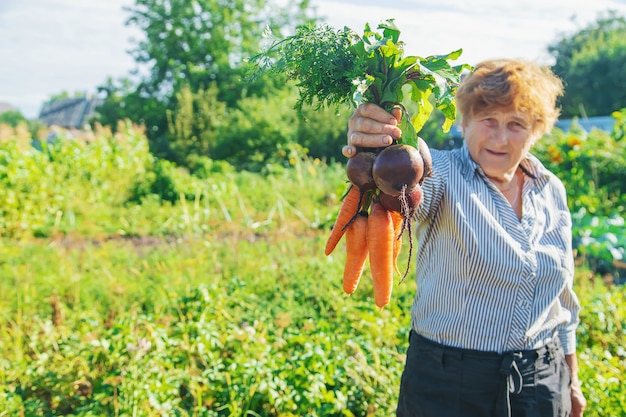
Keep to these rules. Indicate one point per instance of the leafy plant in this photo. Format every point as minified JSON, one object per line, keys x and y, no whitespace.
{"x":194,"y":124}
{"x":601,"y":242}
{"x":591,"y":165}
{"x":339,"y":66}
{"x":601,"y":352}
{"x":12,"y":118}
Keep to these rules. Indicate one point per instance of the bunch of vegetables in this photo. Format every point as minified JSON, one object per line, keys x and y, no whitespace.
{"x":338,"y":66}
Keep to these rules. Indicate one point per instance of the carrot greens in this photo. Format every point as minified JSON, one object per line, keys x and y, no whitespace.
{"x":334,"y":66}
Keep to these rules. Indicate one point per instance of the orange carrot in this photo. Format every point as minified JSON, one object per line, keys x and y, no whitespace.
{"x":380,"y":236}
{"x":356,"y":253}
{"x":398,"y":224}
{"x":347,"y":213}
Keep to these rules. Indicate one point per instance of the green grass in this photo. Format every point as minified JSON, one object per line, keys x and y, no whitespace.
{"x":220,"y":303}
{"x":225,"y":316}
{"x":223,"y":324}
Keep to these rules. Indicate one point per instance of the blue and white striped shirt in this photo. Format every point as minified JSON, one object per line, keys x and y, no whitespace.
{"x":485,"y":279}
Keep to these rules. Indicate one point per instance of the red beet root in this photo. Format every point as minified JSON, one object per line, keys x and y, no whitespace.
{"x":427,"y":158}
{"x":405,"y":203}
{"x":396,"y":168}
{"x":359,"y":170}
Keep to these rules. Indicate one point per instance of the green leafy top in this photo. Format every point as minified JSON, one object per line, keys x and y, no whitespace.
{"x":339,"y":66}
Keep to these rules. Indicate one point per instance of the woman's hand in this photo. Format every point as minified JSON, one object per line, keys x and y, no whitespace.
{"x":578,"y":400}
{"x":370,"y":126}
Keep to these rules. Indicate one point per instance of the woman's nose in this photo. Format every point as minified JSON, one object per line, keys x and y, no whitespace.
{"x":500,"y":133}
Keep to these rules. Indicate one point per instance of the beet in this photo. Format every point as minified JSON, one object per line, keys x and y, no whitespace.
{"x":359,"y":170}
{"x":427,"y":158}
{"x":396,"y":168}
{"x":405,"y":203}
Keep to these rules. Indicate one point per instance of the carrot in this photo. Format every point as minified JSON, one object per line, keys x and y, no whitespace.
{"x":380,"y":236}
{"x":398,"y":226}
{"x":347,"y":213}
{"x":356,"y":253}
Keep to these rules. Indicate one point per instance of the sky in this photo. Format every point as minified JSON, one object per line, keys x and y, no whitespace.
{"x":52,"y":46}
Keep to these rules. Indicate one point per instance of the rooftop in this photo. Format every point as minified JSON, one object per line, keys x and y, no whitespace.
{"x":69,"y":112}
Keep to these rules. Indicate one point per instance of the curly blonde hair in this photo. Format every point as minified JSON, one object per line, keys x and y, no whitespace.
{"x":518,"y":85}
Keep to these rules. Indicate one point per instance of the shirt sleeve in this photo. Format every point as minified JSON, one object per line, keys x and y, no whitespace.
{"x":567,"y":332}
{"x":568,"y":298}
{"x":433,"y":186}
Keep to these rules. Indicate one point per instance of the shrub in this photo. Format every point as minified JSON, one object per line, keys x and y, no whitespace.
{"x":591,"y":165}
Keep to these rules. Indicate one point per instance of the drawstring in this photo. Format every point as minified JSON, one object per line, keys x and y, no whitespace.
{"x":511,"y":383}
{"x":512,"y":380}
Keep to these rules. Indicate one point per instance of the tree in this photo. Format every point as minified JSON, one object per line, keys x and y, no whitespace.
{"x":193,"y":44}
{"x":194,"y":124}
{"x":253,"y":134}
{"x":591,"y":64}
{"x":11,"y":118}
{"x":125,"y":99}
{"x":199,"y":42}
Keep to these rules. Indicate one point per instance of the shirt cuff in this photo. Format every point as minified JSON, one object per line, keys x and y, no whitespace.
{"x":568,"y":342}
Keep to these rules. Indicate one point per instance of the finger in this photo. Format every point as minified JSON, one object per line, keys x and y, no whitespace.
{"x":397,"y":113}
{"x":365,"y":140}
{"x":375,"y":112}
{"x":373,"y":127}
{"x":348,"y":151}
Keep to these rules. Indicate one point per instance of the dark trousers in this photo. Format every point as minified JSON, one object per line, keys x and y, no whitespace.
{"x":440,"y":381}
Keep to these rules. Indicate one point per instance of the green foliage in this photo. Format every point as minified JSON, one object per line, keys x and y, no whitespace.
{"x":163,"y":180}
{"x":321,"y":60}
{"x":211,"y":335}
{"x":602,"y":242}
{"x":339,"y":66}
{"x":197,"y":45}
{"x":255,"y":132}
{"x":194,"y":124}
{"x":12,"y":118}
{"x":591,"y":64}
{"x":219,"y":303}
{"x":46,"y":188}
{"x":112,"y":184}
{"x":123,"y":101}
{"x":66,"y":94}
{"x":590,"y":164}
{"x":264,"y":129}
{"x":322,"y":132}
{"x":204,"y":167}
{"x":602,"y":356}
{"x":226,"y":325}
{"x":432,"y":133}
{"x":200,"y":43}
{"x":619,"y":126}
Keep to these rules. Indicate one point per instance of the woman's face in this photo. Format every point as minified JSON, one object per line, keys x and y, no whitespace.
{"x":498,"y":141}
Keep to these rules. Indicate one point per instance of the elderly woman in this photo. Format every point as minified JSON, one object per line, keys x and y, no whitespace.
{"x":495,"y":315}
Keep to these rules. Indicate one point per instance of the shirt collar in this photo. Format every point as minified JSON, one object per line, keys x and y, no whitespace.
{"x":531,"y":166}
